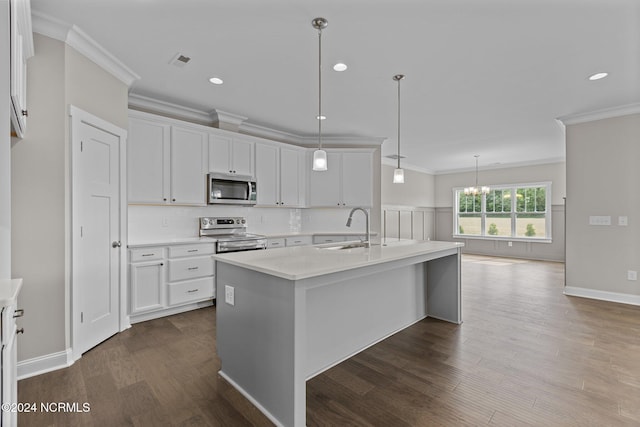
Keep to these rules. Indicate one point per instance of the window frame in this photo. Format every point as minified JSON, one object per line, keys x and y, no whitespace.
{"x":513,"y":214}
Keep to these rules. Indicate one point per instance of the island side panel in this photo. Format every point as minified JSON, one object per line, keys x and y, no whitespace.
{"x":256,"y":342}
{"x":347,"y":316}
{"x":444,"y":288}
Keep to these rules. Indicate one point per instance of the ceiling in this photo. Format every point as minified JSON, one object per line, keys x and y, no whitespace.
{"x":487,"y":77}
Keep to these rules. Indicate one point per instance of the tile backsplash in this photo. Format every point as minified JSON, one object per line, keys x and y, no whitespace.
{"x":174,"y":222}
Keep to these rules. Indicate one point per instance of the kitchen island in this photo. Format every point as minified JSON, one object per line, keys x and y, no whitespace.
{"x":286,"y":315}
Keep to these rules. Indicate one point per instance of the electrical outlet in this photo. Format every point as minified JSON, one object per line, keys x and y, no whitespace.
{"x":229,"y":295}
{"x":632,"y":275}
{"x":623,"y":220}
{"x":510,"y":244}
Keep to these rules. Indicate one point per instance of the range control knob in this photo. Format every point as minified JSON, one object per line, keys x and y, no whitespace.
{"x":205,"y":221}
{"x":243,"y":221}
{"x":237,"y":221}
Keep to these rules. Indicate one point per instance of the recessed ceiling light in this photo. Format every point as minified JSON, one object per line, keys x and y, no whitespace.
{"x":340,"y":66}
{"x":321,"y":117}
{"x":216,"y":80}
{"x":598,"y":76}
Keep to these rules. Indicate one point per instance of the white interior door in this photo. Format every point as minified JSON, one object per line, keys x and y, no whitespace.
{"x":96,"y":234}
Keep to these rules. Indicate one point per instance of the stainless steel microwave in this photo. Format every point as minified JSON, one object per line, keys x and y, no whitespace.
{"x":231,"y":189}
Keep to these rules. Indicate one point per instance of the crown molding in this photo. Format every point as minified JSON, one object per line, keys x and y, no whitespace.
{"x":268,"y":133}
{"x":74,"y":37}
{"x":394,"y":164}
{"x":141,"y":102}
{"x":312,"y":141}
{"x":607,"y":113}
{"x":548,"y":161}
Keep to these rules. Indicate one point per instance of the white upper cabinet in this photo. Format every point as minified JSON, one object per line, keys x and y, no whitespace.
{"x":21,"y":46}
{"x":280,"y":175}
{"x":188,"y":166}
{"x":267,"y":175}
{"x":348,"y":181}
{"x":167,"y":164}
{"x":324,"y":187}
{"x":230,"y":155}
{"x":148,"y":164}
{"x":357,"y":179}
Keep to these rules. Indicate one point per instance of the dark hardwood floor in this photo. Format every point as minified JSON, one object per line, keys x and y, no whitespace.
{"x":525,"y":355}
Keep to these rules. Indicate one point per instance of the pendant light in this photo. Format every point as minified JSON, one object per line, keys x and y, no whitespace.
{"x":319,"y":156}
{"x":398,"y":173}
{"x":476,"y":190}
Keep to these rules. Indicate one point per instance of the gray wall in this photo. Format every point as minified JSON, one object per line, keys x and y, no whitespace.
{"x":57,"y":76}
{"x":603,"y":179}
{"x":431,"y":197}
{"x":5,"y":144}
{"x":553,"y":172}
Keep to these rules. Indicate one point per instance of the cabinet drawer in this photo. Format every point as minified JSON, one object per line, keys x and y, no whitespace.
{"x":147,"y":254}
{"x":298,"y":241}
{"x":328,"y":239}
{"x":275,"y":243}
{"x":191,"y":250}
{"x":190,"y":268}
{"x":191,"y":290}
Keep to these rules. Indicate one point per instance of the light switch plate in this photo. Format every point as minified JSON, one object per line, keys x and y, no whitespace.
{"x":229,"y":294}
{"x":623,"y":220}
{"x":632,"y":275}
{"x":599,"y":220}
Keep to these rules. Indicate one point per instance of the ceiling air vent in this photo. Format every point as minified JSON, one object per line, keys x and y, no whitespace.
{"x":180,"y":60}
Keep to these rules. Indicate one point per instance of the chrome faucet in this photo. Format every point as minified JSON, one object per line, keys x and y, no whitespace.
{"x":367,"y":243}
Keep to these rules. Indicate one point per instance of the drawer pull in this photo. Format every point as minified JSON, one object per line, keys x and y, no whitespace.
{"x":20,"y":331}
{"x":192,"y":268}
{"x":192,"y":250}
{"x":18,"y":313}
{"x":147,"y":254}
{"x":190,"y":291}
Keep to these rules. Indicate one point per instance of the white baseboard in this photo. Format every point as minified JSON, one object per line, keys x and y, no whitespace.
{"x":602,"y":295}
{"x":43,"y":364}
{"x":137,"y":318}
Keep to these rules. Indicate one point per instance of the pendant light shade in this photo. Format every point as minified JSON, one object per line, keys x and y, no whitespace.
{"x":319,"y":156}
{"x":398,"y":173}
{"x":319,"y":160}
{"x":398,"y":176}
{"x":476,"y":190}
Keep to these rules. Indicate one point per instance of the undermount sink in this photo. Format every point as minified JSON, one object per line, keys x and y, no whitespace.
{"x":348,"y":246}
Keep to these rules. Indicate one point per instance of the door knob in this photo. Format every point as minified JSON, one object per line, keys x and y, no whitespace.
{"x":116,"y":244}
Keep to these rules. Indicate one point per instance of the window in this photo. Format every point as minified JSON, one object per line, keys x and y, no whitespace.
{"x":510,"y":212}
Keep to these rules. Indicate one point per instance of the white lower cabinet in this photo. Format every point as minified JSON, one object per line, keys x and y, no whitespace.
{"x":9,"y":365}
{"x":277,"y":242}
{"x":299,"y":241}
{"x":163,"y":278}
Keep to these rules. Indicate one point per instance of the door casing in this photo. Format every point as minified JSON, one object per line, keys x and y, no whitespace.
{"x":77,"y":117}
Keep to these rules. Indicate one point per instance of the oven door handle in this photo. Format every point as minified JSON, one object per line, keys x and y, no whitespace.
{"x":230,"y":246}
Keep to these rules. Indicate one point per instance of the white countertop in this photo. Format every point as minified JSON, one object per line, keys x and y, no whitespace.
{"x":188,"y":240}
{"x":302,"y":262}
{"x":9,"y":290}
{"x":168,"y":241}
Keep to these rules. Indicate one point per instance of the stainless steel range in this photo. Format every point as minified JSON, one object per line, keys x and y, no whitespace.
{"x":231,"y":234}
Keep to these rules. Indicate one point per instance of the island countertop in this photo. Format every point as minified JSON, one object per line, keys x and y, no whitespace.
{"x":302,"y":262}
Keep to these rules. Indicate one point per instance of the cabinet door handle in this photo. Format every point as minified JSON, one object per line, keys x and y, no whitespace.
{"x":18,"y":313}
{"x":192,"y":268}
{"x":147,"y":255}
{"x":192,"y":250}
{"x":116,"y":244}
{"x":190,"y":291}
{"x":25,"y":113}
{"x":20,"y":331}
{"x":161,"y":264}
